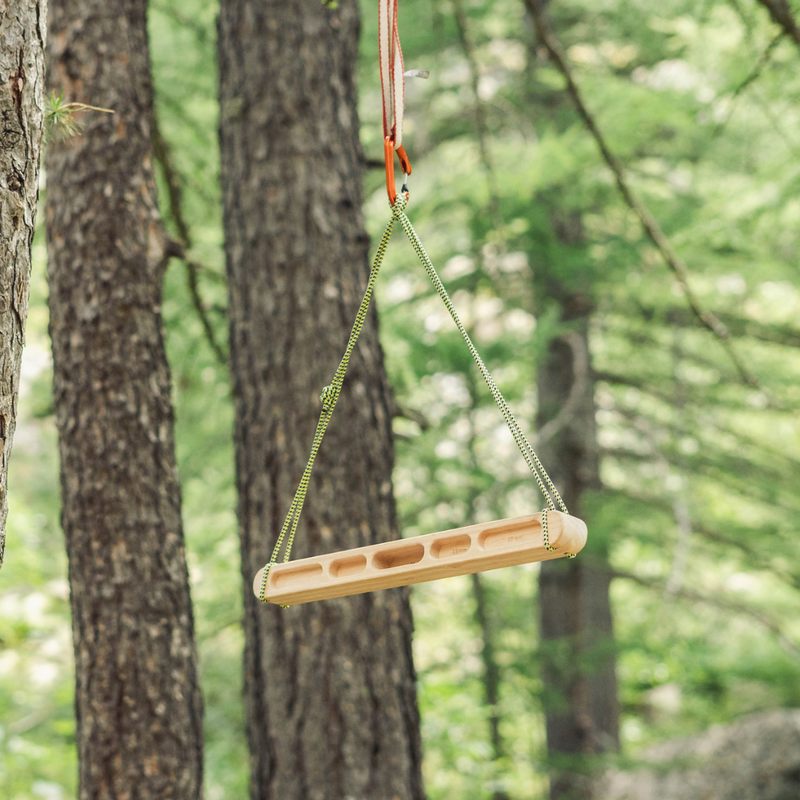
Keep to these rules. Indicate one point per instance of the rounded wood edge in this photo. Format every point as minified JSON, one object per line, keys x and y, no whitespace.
{"x":573,"y":534}
{"x":257,"y":582}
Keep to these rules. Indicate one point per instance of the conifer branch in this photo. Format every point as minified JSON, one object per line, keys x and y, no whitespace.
{"x":772,"y":332}
{"x":718,"y":600}
{"x":59,"y":117}
{"x":754,"y":557}
{"x":648,"y":222}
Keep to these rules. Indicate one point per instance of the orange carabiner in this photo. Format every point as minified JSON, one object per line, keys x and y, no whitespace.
{"x":388,"y":154}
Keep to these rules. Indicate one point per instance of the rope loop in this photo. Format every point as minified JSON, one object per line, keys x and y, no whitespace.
{"x":262,"y":595}
{"x":399,"y":205}
{"x":327,"y":399}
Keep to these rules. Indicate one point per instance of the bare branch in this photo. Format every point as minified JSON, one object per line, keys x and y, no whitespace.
{"x":754,"y":555}
{"x":782,"y":15}
{"x":772,"y":332}
{"x":648,"y":222}
{"x":404,"y":412}
{"x":480,"y":113}
{"x":758,"y":67}
{"x":580,"y":372}
{"x":178,"y":249}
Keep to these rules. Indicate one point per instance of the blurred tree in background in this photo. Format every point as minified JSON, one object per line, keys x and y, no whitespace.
{"x":692,"y":513}
{"x":330,"y":693}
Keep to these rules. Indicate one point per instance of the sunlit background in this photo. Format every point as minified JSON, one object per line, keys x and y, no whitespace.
{"x":701,"y":483}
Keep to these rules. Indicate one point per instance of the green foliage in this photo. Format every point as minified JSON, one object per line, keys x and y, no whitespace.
{"x":59,"y":118}
{"x":706,"y":624}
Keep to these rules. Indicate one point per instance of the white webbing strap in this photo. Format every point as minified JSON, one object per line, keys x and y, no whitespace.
{"x":392,"y":79}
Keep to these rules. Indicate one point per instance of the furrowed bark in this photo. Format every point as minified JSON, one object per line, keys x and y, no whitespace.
{"x":138,"y":704}
{"x":329,"y":686}
{"x":22,"y":35}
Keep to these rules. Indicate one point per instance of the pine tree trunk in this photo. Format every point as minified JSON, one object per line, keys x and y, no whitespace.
{"x":138,"y":705}
{"x":580,"y":694}
{"x":329,"y":686}
{"x":22,"y":111}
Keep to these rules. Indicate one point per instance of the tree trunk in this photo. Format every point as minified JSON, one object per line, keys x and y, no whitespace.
{"x":330,"y":686}
{"x":580,"y":697}
{"x":138,"y":704}
{"x":491,"y":676}
{"x":22,"y":110}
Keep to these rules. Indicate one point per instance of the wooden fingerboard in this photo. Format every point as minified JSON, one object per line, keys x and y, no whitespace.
{"x":462,"y":551}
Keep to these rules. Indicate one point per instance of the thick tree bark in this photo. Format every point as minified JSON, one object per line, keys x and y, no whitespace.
{"x":330,"y":687}
{"x":580,"y":696}
{"x":138,"y":705}
{"x":22,"y":32}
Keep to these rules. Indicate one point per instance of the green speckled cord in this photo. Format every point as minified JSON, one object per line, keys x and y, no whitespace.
{"x":330,"y":394}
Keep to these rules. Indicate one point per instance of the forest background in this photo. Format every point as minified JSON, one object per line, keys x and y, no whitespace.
{"x":698,"y":503}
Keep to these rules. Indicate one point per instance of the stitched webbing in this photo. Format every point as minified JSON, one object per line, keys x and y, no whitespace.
{"x":330,"y":394}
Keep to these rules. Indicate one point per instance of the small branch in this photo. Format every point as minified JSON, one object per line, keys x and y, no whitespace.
{"x":758,"y":67}
{"x":193,"y":269}
{"x":793,"y":148}
{"x":186,"y":22}
{"x":755,"y":73}
{"x":163,"y":155}
{"x":754,"y":556}
{"x":774,"y":333}
{"x":648,"y":222}
{"x":781,"y":15}
{"x":30,"y":721}
{"x":706,"y":424}
{"x":178,"y":249}
{"x":411,"y":414}
{"x":480,"y":113}
{"x":85,"y":107}
{"x":580,"y":373}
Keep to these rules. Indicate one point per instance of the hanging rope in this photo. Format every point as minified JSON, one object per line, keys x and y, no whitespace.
{"x":330,"y":395}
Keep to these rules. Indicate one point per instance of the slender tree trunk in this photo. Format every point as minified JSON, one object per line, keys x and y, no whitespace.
{"x":138,"y":705}
{"x":576,"y":625}
{"x":22,"y":32}
{"x":491,"y":669}
{"x":330,"y":686}
{"x":491,"y":676}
